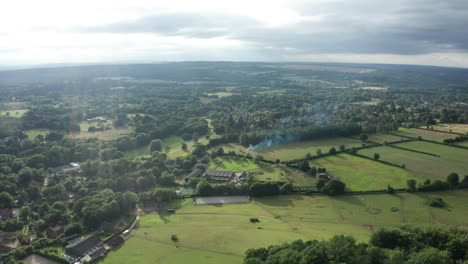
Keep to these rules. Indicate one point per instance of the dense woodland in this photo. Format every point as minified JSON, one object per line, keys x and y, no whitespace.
{"x":157,"y":101}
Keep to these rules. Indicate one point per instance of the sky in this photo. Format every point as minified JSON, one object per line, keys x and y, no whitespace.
{"x":426,"y":32}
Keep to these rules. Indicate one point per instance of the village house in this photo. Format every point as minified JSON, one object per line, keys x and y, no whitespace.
{"x":324,"y":176}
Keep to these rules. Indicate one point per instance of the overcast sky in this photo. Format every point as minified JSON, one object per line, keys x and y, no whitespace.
{"x":426,"y":32}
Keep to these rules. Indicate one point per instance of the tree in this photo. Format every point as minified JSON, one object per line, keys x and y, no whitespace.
{"x":320,"y":184}
{"x":429,"y":256}
{"x":363,"y":137}
{"x":155,"y":145}
{"x":342,"y":148}
{"x":25,"y":212}
{"x":286,"y":188}
{"x":74,"y":228}
{"x":334,"y":187}
{"x":304,"y":166}
{"x":6,"y":200}
{"x":319,"y":152}
{"x":453,"y":179}
{"x":376,"y":156}
{"x":204,"y":188}
{"x":184,"y":147}
{"x":411,"y":185}
{"x":163,"y":194}
{"x":390,"y":189}
{"x":332,"y":151}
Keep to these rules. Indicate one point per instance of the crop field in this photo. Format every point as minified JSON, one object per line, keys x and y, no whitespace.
{"x":281,"y":173}
{"x":222,"y":233}
{"x":361,"y":174}
{"x":424,"y":166}
{"x":221,"y":94}
{"x":14,"y":112}
{"x":425,"y":134}
{"x":297,"y":150}
{"x":382,"y":138}
{"x":33,"y":133}
{"x":463,"y":144}
{"x":456,"y":128}
{"x":233,"y":164}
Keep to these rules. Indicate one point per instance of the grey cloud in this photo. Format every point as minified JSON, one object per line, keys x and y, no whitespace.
{"x":363,"y":26}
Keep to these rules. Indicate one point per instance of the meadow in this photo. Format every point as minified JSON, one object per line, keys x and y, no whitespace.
{"x":455,"y":128}
{"x":33,"y":133}
{"x":424,"y":166}
{"x":14,"y":112}
{"x":425,"y":134}
{"x":280,"y":173}
{"x":382,"y":138}
{"x":233,"y":164}
{"x":297,"y":150}
{"x":222,"y":233}
{"x":361,"y":174}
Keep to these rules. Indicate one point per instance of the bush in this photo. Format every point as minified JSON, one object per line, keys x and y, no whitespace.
{"x":254,"y":220}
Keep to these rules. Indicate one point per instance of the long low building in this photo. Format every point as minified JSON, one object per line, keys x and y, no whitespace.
{"x":216,"y":176}
{"x":87,"y":248}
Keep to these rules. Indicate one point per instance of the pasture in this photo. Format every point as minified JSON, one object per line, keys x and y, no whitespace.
{"x":33,"y":133}
{"x":424,"y":166}
{"x":296,"y":150}
{"x":221,"y":94}
{"x":455,"y":128}
{"x":382,"y":138}
{"x":279,"y":173}
{"x":222,"y":233}
{"x":227,"y":163}
{"x":425,"y":134}
{"x":14,"y":112}
{"x":361,"y":174}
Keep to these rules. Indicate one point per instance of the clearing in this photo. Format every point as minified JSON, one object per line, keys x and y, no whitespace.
{"x":14,"y":112}
{"x":280,"y":173}
{"x":227,"y":163}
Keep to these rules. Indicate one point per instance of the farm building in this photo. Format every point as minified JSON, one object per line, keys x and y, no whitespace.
{"x":6,"y":214}
{"x":100,"y":119}
{"x":116,"y":241}
{"x":70,"y":170}
{"x":324,"y":176}
{"x":89,"y":247}
{"x":219,"y":176}
{"x":196,"y":173}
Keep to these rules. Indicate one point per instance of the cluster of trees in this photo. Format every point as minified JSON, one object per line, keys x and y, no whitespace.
{"x":405,"y":245}
{"x":452,"y":182}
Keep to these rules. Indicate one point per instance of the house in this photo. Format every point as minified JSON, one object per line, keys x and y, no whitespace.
{"x":6,"y":214}
{"x":100,"y":119}
{"x":196,"y":173}
{"x":324,"y":176}
{"x":53,"y":232}
{"x":70,"y":170}
{"x":84,"y":246}
{"x":219,"y":176}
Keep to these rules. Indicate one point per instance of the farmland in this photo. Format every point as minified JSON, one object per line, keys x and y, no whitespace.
{"x":279,"y":173}
{"x":455,"y":128}
{"x":425,"y":134}
{"x":233,"y":164}
{"x":423,"y":166}
{"x":221,"y":234}
{"x":297,"y":150}
{"x":361,"y":174}
{"x":14,"y":112}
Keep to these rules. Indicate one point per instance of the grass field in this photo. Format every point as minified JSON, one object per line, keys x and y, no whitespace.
{"x":425,"y":134}
{"x":361,"y":174}
{"x":222,"y":233}
{"x":233,"y":164}
{"x":456,"y":128}
{"x":424,"y":166}
{"x":33,"y":133}
{"x":382,"y":138}
{"x":296,"y":150}
{"x":14,"y":113}
{"x":284,"y":174}
{"x":104,"y":135}
{"x":221,"y":94}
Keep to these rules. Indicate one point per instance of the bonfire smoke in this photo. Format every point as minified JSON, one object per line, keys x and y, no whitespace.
{"x":274,"y":141}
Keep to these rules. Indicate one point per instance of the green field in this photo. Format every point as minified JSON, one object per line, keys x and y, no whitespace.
{"x":296,"y":150}
{"x":455,"y":128}
{"x":361,"y":174}
{"x":382,"y":138}
{"x":221,"y":94}
{"x":425,"y":134}
{"x":33,"y":133}
{"x":222,"y":233}
{"x":423,"y":166}
{"x":14,"y":113}
{"x":282,"y":173}
{"x":233,"y":164}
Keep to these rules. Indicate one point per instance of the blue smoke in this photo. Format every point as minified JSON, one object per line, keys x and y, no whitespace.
{"x":275,"y":140}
